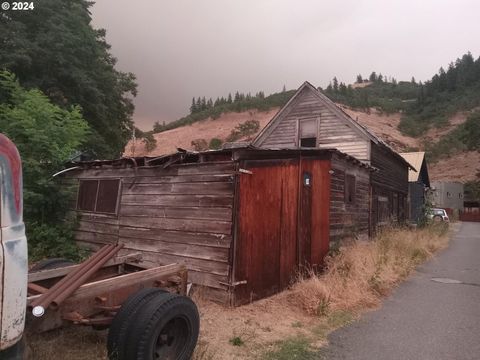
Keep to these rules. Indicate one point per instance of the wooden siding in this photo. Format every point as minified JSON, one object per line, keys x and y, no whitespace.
{"x":182,"y":214}
{"x":281,"y":225}
{"x":392,"y":171}
{"x":348,"y":219}
{"x":265,"y":253}
{"x":333,"y":132}
{"x":389,"y":187}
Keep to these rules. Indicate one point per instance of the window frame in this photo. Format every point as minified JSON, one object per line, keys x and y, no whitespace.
{"x":316,"y":121}
{"x":117,"y":199}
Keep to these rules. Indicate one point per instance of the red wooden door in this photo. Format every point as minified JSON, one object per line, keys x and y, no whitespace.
{"x":314,"y":212}
{"x":282,"y":221}
{"x":267,"y":234}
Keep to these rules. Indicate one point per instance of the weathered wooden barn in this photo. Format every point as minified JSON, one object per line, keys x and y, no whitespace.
{"x":242,"y":220}
{"x":311,"y":120}
{"x":418,"y":185}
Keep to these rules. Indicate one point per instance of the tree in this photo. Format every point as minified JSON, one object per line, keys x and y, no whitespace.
{"x":413,"y":80}
{"x":193,"y":107}
{"x":55,"y":49}
{"x":380,"y":78}
{"x":229,"y":100}
{"x":359,"y":79}
{"x":373,"y":76}
{"x":46,"y":136}
{"x":471,"y":137}
{"x":215,"y":144}
{"x":335,"y":84}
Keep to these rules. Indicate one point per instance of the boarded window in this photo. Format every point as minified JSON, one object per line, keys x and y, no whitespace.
{"x":100,"y":196}
{"x":349,"y":189}
{"x":307,"y":133}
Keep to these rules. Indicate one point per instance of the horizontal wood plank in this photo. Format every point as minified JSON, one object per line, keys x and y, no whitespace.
{"x":192,"y":212}
{"x":178,"y":200}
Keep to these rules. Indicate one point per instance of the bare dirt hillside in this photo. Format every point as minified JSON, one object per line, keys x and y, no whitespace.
{"x":461,"y":167}
{"x":384,"y":126}
{"x":182,"y":137}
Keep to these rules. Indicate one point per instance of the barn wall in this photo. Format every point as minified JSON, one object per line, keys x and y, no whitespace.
{"x":348,"y":219}
{"x":333,"y":132}
{"x":416,"y":195}
{"x":389,"y":187}
{"x":181,"y":214}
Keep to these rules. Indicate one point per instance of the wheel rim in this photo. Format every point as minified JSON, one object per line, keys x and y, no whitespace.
{"x":171,"y":340}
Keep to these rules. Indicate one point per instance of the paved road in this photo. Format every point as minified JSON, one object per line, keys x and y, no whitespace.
{"x":424,"y":319}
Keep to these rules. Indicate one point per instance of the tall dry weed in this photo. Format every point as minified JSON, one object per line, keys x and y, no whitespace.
{"x":361,"y":273}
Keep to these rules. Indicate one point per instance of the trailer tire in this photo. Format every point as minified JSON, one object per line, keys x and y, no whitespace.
{"x":166,"y":328}
{"x":51,"y":263}
{"x":119,"y":326}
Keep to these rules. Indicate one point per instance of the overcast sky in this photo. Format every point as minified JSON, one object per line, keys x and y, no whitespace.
{"x":185,"y":48}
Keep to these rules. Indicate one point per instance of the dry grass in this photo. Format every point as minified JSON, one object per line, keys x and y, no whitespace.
{"x":294,"y":323}
{"x":361,"y":273}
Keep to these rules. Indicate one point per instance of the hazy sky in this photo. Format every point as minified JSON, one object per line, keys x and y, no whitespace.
{"x":184,"y":48}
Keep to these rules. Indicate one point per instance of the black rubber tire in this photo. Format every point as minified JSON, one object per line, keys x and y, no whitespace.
{"x":118,"y":328}
{"x":166,"y":328}
{"x":52,"y":263}
{"x":437,"y":219}
{"x":15,"y":352}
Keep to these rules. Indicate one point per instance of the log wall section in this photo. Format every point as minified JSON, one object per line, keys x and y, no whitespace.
{"x":333,"y":132}
{"x":182,"y":214}
{"x":348,"y":219}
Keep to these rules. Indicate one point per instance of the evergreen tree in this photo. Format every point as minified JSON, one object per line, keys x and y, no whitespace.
{"x":335,"y":84}
{"x":204,"y":104}
{"x":413,"y":80}
{"x":373,"y":76}
{"x":193,"y":107}
{"x":359,"y":79}
{"x":229,"y":100}
{"x":237,"y":97}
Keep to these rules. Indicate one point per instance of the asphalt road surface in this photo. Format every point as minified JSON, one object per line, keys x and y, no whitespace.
{"x":435,"y":315}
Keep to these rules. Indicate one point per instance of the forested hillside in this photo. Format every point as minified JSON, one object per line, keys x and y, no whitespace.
{"x":60,"y":95}
{"x":55,"y":49}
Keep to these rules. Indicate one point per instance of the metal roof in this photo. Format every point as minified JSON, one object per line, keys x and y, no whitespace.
{"x":416,"y":159}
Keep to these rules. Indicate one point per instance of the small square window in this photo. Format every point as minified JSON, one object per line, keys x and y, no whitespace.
{"x":98,"y":196}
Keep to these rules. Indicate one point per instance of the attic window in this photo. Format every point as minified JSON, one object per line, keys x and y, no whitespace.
{"x":307,"y":132}
{"x":98,"y":196}
{"x":350,"y":189}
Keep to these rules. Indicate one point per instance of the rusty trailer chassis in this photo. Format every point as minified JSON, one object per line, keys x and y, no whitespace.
{"x":96,"y":301}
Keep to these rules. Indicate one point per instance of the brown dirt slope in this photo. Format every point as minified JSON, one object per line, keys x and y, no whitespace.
{"x":460,"y":167}
{"x":182,"y":137}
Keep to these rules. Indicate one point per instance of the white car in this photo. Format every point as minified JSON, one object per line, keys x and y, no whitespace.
{"x":438,"y":215}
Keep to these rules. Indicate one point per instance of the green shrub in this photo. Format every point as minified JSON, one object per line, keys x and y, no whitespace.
{"x":215,"y":144}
